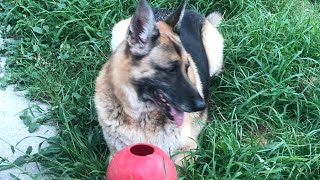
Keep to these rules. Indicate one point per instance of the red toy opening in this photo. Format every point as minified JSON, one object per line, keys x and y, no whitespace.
{"x":141,"y":150}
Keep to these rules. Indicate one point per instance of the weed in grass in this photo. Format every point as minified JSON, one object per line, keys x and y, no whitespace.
{"x":264,"y":107}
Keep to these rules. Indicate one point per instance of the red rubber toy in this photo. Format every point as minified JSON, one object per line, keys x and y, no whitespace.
{"x":141,"y":162}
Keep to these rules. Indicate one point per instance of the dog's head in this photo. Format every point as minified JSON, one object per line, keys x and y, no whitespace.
{"x":159,"y":67}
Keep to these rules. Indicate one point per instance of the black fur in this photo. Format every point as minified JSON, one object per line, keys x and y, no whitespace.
{"x":191,"y":38}
{"x":182,"y":95}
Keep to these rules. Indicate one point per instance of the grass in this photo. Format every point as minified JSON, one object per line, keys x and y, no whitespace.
{"x":264,"y":107}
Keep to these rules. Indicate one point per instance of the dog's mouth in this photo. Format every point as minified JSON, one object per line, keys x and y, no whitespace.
{"x":171,"y":111}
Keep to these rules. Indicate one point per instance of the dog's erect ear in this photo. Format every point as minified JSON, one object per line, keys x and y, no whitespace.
{"x":142,"y":30}
{"x":174,"y":20}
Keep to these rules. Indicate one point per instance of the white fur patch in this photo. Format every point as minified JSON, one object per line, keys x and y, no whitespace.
{"x":215,"y":18}
{"x":213,"y":44}
{"x":119,"y":33}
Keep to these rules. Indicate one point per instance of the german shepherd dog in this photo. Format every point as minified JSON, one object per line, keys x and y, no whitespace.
{"x":154,"y":87}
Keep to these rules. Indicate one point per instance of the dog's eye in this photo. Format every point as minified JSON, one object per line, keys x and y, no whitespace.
{"x":187,"y":67}
{"x":172,"y":69}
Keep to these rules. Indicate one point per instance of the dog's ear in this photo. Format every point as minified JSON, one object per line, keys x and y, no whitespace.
{"x":175,"y":19}
{"x":142,"y":30}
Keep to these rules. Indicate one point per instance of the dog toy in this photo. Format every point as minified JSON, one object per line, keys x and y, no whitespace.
{"x":141,"y":162}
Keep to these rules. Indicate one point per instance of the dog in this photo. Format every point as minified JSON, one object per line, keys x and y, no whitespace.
{"x":154,"y":88}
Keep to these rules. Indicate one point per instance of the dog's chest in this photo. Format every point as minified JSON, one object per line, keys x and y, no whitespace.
{"x":167,"y":135}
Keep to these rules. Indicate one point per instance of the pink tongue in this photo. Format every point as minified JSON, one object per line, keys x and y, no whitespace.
{"x":177,"y":115}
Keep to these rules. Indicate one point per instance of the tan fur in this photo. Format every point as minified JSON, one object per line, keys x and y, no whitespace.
{"x":125,"y":119}
{"x":213,"y":43}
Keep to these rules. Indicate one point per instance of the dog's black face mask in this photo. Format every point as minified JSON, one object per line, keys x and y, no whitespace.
{"x":160,"y":71}
{"x":172,"y":92}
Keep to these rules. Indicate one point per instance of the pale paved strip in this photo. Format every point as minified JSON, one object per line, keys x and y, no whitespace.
{"x":12,"y":129}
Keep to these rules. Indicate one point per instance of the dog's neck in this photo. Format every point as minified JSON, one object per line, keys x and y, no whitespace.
{"x":125,"y":94}
{"x":136,"y":110}
{"x":142,"y":113}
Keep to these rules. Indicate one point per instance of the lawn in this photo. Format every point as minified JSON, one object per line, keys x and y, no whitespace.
{"x":264,"y":107}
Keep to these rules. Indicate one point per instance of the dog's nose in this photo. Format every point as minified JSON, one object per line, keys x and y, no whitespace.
{"x":194,"y":105}
{"x":199,"y":104}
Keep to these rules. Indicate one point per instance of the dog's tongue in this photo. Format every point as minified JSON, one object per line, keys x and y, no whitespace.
{"x":177,"y":115}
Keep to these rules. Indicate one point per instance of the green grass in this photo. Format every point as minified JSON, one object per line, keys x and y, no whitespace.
{"x":264,"y":107}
